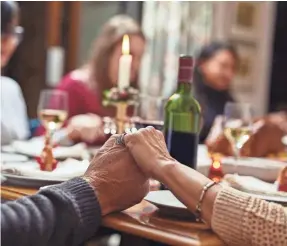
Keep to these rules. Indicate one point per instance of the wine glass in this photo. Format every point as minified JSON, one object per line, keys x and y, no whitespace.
{"x":148,"y":111}
{"x":237,"y":125}
{"x":53,"y":109}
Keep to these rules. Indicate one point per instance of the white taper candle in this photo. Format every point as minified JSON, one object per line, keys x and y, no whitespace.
{"x":125,"y":64}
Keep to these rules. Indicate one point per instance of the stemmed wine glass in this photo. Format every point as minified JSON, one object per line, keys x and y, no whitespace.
{"x":148,"y":112}
{"x":237,"y":125}
{"x":53,"y":109}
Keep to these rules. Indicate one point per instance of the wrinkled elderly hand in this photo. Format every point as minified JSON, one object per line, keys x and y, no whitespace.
{"x":115,"y":177}
{"x":87,"y":128}
{"x":148,"y":148}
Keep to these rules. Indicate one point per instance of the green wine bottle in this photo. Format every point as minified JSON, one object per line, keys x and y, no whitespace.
{"x":182,"y":117}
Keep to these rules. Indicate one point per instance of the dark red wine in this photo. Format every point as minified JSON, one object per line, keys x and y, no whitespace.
{"x":183,"y":147}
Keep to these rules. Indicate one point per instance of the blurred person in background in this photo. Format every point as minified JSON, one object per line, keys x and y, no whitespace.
{"x":86,"y":84}
{"x":14,"y":121}
{"x":214,"y":72}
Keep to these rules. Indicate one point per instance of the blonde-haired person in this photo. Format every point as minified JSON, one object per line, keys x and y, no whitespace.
{"x":237,"y":217}
{"x":86,"y":84}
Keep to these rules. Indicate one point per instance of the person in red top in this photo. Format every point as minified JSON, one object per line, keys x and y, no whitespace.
{"x":86,"y":84}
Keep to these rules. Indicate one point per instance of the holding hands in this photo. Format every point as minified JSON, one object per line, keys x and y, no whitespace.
{"x":120,"y":171}
{"x":116,"y":179}
{"x":119,"y":175}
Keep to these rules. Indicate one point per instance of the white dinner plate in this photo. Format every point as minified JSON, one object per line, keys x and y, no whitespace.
{"x":10,"y":157}
{"x":34,"y":182}
{"x":28,"y":174}
{"x":34,"y":147}
{"x":168,"y":204}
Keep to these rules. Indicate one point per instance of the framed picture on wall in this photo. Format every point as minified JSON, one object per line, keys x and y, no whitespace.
{"x":246,"y":72}
{"x":245,"y":20}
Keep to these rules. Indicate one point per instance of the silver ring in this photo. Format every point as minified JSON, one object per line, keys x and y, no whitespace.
{"x":120,"y":139}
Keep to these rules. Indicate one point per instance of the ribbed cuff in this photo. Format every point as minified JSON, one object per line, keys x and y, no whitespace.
{"x":228,"y":215}
{"x":85,"y":202}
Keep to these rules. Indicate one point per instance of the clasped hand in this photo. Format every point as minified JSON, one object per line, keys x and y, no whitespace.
{"x":119,"y":174}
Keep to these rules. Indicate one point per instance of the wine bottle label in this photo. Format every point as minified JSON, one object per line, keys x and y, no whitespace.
{"x":183,"y":122}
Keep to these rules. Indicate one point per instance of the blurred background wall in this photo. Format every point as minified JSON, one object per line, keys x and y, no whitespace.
{"x":172,"y":28}
{"x":67,"y":29}
{"x":93,"y":15}
{"x":250,"y":27}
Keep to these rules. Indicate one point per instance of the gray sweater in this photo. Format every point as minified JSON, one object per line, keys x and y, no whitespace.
{"x":65,"y":214}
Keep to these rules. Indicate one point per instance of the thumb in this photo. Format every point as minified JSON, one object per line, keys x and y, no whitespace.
{"x":128,"y":140}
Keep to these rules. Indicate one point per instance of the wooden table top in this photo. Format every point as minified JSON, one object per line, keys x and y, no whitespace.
{"x":143,"y":220}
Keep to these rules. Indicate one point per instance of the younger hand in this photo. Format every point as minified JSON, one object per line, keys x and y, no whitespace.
{"x":148,"y":148}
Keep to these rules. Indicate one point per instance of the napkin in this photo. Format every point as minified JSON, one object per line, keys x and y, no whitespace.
{"x":10,"y":157}
{"x":34,"y":147}
{"x":252,"y":185}
{"x":65,"y":170}
{"x":261,"y":168}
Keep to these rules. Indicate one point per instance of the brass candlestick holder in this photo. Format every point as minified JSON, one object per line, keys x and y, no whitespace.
{"x":121,"y":116}
{"x":121,"y":99}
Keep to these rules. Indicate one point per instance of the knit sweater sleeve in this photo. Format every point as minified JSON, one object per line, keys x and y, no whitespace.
{"x":65,"y":214}
{"x":240,"y":219}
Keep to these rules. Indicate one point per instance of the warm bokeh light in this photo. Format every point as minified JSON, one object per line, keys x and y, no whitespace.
{"x":216,"y":164}
{"x":126,"y":45}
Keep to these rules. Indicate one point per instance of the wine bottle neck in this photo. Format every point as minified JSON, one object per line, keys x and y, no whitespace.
{"x":183,"y":87}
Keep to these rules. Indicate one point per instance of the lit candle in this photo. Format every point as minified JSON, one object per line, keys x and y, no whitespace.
{"x":125,"y":64}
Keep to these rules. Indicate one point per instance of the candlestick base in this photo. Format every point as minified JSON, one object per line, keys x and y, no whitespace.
{"x":121,"y":99}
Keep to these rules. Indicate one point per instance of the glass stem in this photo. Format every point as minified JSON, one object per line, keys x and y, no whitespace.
{"x":49,"y":135}
{"x":236,"y":152}
{"x":236,"y":157}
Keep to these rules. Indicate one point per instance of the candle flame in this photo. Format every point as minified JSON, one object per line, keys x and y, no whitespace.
{"x":126,"y":45}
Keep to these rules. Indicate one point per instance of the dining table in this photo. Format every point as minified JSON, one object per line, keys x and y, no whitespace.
{"x":142,"y":224}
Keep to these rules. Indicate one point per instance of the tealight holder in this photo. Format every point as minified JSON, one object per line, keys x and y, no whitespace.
{"x":215,"y":172}
{"x":121,"y":99}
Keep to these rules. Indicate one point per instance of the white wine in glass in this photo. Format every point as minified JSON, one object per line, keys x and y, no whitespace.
{"x":237,"y":136}
{"x":53,"y":109}
{"x":52,"y":119}
{"x":237,"y":125}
